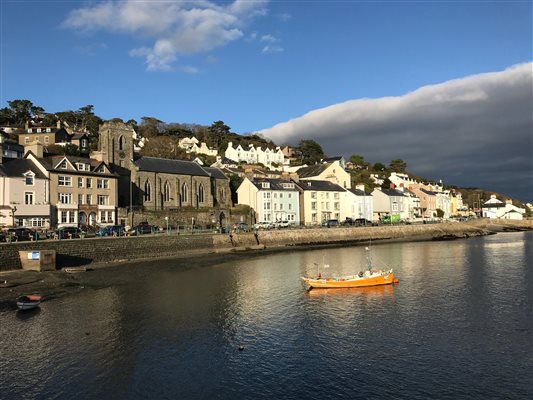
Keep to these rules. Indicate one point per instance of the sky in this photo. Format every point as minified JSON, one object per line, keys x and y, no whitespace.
{"x":447,"y":86}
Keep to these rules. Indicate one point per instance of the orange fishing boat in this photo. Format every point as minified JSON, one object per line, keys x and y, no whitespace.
{"x":370,"y":277}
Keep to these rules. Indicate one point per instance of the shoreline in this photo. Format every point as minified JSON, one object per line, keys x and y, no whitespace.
{"x":99,"y":275}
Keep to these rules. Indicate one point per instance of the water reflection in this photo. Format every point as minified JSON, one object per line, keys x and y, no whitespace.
{"x":458,"y":322}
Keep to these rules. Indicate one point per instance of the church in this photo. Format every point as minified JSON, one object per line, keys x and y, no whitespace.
{"x":159,"y":183}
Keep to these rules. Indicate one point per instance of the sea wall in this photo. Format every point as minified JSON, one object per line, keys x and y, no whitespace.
{"x":106,"y":250}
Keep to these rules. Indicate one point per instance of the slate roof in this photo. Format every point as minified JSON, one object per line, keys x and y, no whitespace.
{"x":16,"y":167}
{"x":392,"y":192}
{"x":275,"y":184}
{"x":313,"y":170}
{"x":428,"y":192}
{"x":163,"y":165}
{"x":319,"y":186}
{"x":51,"y":161}
{"x":358,"y":192}
{"x":215,"y":173}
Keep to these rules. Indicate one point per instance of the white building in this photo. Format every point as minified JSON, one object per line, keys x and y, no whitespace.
{"x":191,"y":146}
{"x":271,"y":199}
{"x":497,"y":209}
{"x":358,"y":204}
{"x":253,"y":155}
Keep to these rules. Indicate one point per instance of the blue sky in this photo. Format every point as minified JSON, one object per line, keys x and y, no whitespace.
{"x":252,"y":64}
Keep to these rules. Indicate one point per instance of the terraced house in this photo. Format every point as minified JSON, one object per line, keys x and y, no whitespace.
{"x":83,"y":191}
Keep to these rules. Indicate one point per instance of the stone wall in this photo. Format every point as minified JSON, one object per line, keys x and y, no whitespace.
{"x":100,"y":250}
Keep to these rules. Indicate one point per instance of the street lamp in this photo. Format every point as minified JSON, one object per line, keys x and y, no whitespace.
{"x":13,"y":210}
{"x":166,"y":220}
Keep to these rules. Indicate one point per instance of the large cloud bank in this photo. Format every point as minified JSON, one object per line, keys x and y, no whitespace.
{"x":474,"y":131}
{"x":176,"y":27}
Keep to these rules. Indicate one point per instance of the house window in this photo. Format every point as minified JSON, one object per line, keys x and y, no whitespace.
{"x":71,"y":217}
{"x":281,"y":206}
{"x":313,"y":217}
{"x":102,"y":199}
{"x":83,"y":142}
{"x":102,"y":184}
{"x":336,"y":196}
{"x":281,"y":195}
{"x":46,"y":140}
{"x":121,"y":143}
{"x":80,"y":199}
{"x":290,"y":206}
{"x":313,"y":205}
{"x":147,"y":191}
{"x":62,"y":164}
{"x":64,"y":217}
{"x":64,"y":181}
{"x":88,"y":199}
{"x":88,"y":183}
{"x":80,"y":182}
{"x":28,"y":197}
{"x":28,"y":180}
{"x":27,"y":140}
{"x":336,"y":206}
{"x":65,"y":198}
{"x":313,"y":195}
{"x":266,"y":206}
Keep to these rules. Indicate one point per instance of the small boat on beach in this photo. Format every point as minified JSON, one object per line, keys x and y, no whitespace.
{"x":370,"y":277}
{"x":29,"y":302}
{"x":74,"y":270}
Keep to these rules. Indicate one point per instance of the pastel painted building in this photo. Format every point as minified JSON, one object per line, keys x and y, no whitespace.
{"x":497,"y":209}
{"x":320,"y":201}
{"x":23,"y":194}
{"x":271,"y":199}
{"x":333,"y":172}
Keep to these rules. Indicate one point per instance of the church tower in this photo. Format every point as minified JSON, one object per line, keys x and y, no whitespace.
{"x":116,"y":144}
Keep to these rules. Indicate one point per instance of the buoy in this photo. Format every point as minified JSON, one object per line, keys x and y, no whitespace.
{"x":395,"y":281}
{"x":241,"y":348}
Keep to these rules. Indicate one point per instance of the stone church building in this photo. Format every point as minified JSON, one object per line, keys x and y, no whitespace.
{"x":159,"y":183}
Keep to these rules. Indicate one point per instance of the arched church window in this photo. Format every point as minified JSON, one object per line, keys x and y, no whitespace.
{"x":184,"y":193}
{"x":147,"y":191}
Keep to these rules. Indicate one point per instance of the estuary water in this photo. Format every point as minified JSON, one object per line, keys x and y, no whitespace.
{"x":457,"y":326}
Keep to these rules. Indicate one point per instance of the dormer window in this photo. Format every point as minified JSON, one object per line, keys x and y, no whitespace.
{"x":29,"y":179}
{"x":62,"y":164}
{"x":265,"y":185}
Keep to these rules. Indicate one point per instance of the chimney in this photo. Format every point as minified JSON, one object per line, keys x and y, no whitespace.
{"x":58,"y":124}
{"x":509,"y":201}
{"x":36,"y":148}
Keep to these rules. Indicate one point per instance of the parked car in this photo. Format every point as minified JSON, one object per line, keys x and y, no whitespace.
{"x":362,"y":222}
{"x":330,"y":223}
{"x":348,"y":221}
{"x":282,"y":224}
{"x":68,"y":232}
{"x":264,"y":225}
{"x":20,"y":234}
{"x":241,"y":227}
{"x":111,"y":230}
{"x":144,"y":228}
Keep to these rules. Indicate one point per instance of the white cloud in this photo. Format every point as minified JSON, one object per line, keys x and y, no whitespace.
{"x":268,"y":38}
{"x":474,"y":131}
{"x":285,"y":17}
{"x":272,"y":49}
{"x":177,"y":28}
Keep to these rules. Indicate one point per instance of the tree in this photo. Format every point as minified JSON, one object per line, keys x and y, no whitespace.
{"x":218,"y":130}
{"x":311,"y":151}
{"x":398,"y":165}
{"x":386,"y":184}
{"x":234,"y":183}
{"x":439,"y":213}
{"x":151,"y":127}
{"x":379,"y":167}
{"x":357,"y":159}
